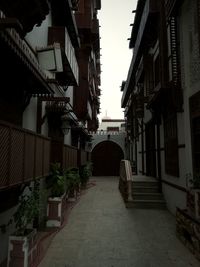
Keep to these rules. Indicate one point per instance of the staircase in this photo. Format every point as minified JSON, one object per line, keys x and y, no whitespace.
{"x":145,"y":194}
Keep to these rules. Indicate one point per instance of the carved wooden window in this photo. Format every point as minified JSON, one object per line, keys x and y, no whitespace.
{"x":198,"y":21}
{"x":171,"y":144}
{"x":173,"y":50}
{"x":81,"y":6}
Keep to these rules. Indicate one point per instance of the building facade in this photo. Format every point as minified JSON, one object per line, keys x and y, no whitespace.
{"x":108,"y":147}
{"x":161,"y":95}
{"x":50,"y":77}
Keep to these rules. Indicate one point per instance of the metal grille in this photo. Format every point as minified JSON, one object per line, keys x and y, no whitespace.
{"x":29,"y":157}
{"x":39,"y":157}
{"x":4,"y":155}
{"x":69,"y":157}
{"x":17,"y":157}
{"x":46,"y":157}
{"x":23,"y":155}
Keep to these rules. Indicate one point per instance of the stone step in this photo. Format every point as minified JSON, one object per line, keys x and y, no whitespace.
{"x":147,"y":196}
{"x":146,"y":204}
{"x":145,"y":184}
{"x":145,"y":189}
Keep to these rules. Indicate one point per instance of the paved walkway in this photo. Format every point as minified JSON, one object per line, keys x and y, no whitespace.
{"x":101,"y":232}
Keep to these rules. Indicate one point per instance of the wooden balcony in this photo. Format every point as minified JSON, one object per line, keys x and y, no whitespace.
{"x":23,"y":58}
{"x":170,"y":6}
{"x":28,"y":13}
{"x":95,"y":27}
{"x":150,"y":8}
{"x":24,"y":155}
{"x":70,"y":74}
{"x":84,"y":20}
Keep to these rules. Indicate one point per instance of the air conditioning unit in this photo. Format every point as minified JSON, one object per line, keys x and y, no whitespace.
{"x":50,"y":58}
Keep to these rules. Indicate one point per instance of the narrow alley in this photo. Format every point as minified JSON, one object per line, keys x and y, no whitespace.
{"x":101,"y":232}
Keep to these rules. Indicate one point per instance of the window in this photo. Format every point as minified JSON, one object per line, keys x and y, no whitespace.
{"x":113,"y":129}
{"x":171,"y":144}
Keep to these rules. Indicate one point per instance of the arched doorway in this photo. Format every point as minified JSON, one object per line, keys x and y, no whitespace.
{"x":106,"y":157}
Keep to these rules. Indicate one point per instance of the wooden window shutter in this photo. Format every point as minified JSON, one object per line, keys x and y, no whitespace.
{"x":174,"y":42}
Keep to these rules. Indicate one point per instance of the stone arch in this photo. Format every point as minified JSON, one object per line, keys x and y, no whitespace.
{"x":106,"y":157}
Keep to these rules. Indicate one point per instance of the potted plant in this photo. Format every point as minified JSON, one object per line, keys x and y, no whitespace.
{"x":22,"y":250}
{"x":85,"y":173}
{"x":73,"y":183}
{"x":193,"y":195}
{"x":57,"y":199}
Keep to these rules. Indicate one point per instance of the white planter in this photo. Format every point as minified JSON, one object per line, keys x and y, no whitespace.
{"x":22,"y":250}
{"x":55,"y":211}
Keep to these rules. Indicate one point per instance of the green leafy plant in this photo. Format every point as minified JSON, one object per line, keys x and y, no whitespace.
{"x":72,"y":179}
{"x":57,"y":180}
{"x":195,"y":181}
{"x":85,"y":173}
{"x":27,"y":210}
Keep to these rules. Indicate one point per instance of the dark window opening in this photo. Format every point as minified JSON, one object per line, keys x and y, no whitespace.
{"x":171,"y":145}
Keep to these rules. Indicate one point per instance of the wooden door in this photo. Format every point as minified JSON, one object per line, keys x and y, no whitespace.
{"x":150,"y":149}
{"x":106,"y":157}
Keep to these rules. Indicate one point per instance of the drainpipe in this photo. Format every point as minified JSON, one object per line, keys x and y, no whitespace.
{"x":159,"y":157}
{"x":142,"y":136}
{"x":136,"y":165}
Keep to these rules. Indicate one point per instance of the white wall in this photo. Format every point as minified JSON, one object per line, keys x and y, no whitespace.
{"x":30,"y":115}
{"x":118,"y":139}
{"x":39,"y":35}
{"x":104,"y":124}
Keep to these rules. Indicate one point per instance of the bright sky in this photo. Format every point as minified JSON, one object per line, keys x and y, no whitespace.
{"x":115,"y":18}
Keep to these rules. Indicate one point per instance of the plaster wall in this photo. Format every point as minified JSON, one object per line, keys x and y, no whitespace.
{"x":30,"y":115}
{"x":118,"y":139}
{"x":190,"y":74}
{"x":103,"y":126}
{"x":39,"y":35}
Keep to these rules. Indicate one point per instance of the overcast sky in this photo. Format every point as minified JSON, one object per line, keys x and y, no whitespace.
{"x":115,"y":18}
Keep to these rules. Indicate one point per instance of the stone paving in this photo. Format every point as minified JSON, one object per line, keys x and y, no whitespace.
{"x":101,"y":232}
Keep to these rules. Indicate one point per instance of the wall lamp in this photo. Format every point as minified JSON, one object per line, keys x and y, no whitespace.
{"x":66,"y":121}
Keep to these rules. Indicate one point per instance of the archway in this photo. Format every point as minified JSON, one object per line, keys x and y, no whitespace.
{"x":106,"y":157}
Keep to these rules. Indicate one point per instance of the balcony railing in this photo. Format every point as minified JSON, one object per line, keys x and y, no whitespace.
{"x":24,"y":155}
{"x":71,"y":70}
